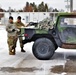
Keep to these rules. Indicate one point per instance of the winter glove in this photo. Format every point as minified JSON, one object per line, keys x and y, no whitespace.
{"x":13,"y":30}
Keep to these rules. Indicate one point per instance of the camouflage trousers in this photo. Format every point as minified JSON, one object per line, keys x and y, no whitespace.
{"x":20,"y":40}
{"x":11,"y":43}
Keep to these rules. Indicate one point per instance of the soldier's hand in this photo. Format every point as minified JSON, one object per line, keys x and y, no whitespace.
{"x":13,"y":30}
{"x":27,"y":25}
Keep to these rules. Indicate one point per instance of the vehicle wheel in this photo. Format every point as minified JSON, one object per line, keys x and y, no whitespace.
{"x":43,"y":49}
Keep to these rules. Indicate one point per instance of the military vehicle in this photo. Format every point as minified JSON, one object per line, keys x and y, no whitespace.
{"x":48,"y":39}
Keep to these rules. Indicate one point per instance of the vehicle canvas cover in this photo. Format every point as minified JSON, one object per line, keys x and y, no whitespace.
{"x":46,"y":24}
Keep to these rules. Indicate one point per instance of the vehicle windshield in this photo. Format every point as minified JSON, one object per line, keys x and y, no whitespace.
{"x":68,"y":21}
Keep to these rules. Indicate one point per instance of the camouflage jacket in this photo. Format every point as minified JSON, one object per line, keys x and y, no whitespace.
{"x":9,"y":29}
{"x":19,"y":25}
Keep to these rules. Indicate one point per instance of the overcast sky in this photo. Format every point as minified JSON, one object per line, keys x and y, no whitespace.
{"x":18,"y":4}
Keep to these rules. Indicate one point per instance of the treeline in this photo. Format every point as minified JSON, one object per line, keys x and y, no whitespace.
{"x":42,"y":7}
{"x":32,"y":7}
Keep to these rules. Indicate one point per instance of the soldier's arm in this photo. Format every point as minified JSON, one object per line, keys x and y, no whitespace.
{"x":27,"y":25}
{"x":23,"y":25}
{"x":8,"y":29}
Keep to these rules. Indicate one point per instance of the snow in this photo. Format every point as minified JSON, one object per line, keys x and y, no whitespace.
{"x":27,"y":59}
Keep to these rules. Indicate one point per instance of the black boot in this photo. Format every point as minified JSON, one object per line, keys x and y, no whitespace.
{"x":22,"y":50}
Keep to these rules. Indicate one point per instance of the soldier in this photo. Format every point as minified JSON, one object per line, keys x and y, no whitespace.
{"x":11,"y":33}
{"x":19,"y":24}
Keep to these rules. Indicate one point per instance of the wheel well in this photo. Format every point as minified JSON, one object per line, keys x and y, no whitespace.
{"x":49,"y":36}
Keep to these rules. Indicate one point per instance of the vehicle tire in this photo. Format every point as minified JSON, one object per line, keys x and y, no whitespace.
{"x":43,"y":49}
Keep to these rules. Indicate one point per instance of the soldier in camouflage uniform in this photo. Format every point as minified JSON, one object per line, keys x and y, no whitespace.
{"x":11,"y":33}
{"x":19,"y":24}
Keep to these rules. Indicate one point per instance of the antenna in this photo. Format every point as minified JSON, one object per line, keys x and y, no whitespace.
{"x":71,"y":5}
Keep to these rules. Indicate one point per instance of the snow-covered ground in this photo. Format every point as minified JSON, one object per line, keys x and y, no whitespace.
{"x":26,"y":63}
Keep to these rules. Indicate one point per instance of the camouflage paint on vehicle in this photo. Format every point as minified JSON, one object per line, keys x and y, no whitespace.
{"x":40,"y":31}
{"x":65,"y":34}
{"x":71,"y":40}
{"x":37,"y":31}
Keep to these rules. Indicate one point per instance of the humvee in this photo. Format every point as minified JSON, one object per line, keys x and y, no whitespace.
{"x":63,"y":35}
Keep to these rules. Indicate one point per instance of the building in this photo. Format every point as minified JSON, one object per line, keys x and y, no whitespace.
{"x":1,"y":14}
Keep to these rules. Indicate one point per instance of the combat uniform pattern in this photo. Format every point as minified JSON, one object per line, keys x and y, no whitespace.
{"x":11,"y":37}
{"x":19,"y":25}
